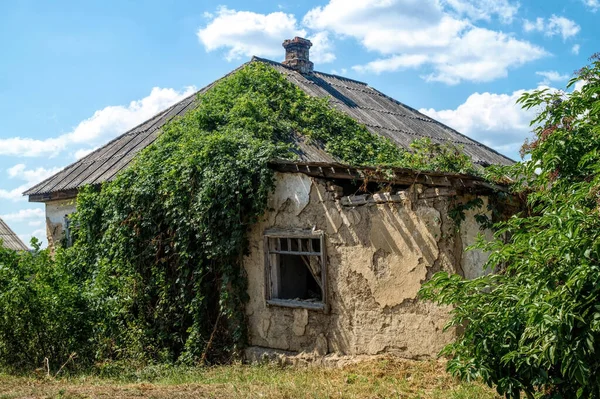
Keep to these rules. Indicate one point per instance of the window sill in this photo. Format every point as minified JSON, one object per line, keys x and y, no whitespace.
{"x":290,"y":303}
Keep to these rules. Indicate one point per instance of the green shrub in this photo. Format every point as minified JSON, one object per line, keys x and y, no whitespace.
{"x":534,"y":328}
{"x":44,"y":312}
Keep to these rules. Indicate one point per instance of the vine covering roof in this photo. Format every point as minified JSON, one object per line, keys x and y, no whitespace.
{"x":381,"y":115}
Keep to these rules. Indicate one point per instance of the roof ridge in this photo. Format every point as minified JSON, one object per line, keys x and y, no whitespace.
{"x":266,"y":60}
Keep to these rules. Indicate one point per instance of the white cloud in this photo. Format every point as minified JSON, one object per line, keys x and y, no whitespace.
{"x":562,"y":25}
{"x":482,"y":55}
{"x":19,"y":146}
{"x":411,"y":33}
{"x":551,"y":76}
{"x":594,"y":5}
{"x":393,"y":63}
{"x":575,"y":49}
{"x":32,"y":176}
{"x":104,"y":125}
{"x":479,"y":55}
{"x":341,"y":72}
{"x":29,"y":176}
{"x":537,"y":25}
{"x":579,"y":85}
{"x":386,"y":26}
{"x":484,"y":9}
{"x":23,"y":214}
{"x":16,"y":194}
{"x":407,"y":33}
{"x":246,"y":33}
{"x":492,"y":119}
{"x":322,"y":48}
{"x":555,"y":25}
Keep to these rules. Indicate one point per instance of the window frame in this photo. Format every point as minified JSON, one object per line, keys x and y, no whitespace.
{"x":272,"y":266}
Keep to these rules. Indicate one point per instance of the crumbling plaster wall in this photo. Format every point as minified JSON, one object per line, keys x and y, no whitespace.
{"x":55,"y":219}
{"x":377,"y":257}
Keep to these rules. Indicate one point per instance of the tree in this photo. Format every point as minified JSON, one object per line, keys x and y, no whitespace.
{"x":534,"y":327}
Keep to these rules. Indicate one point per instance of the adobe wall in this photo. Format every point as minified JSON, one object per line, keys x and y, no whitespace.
{"x":377,"y":257}
{"x":55,"y":219}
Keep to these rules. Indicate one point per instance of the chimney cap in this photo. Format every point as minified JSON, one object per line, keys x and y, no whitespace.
{"x":297,"y":41}
{"x":297,"y":54}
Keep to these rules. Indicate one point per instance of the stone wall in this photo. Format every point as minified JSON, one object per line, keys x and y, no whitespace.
{"x":378,"y":254}
{"x":55,"y":219}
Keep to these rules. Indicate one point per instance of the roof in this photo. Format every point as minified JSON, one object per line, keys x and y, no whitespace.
{"x":9,"y":239}
{"x":381,"y":115}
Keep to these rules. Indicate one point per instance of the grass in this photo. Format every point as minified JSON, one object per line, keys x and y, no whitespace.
{"x":388,"y":378}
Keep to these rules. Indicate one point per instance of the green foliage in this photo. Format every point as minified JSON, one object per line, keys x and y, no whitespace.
{"x":165,"y":242}
{"x":44,"y":312}
{"x":426,"y":155}
{"x":534,"y":327}
{"x":260,"y":101}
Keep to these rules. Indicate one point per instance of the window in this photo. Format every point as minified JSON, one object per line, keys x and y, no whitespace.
{"x":295,"y":269}
{"x":70,"y":228}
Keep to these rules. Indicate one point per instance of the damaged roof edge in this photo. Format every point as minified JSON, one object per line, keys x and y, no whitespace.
{"x":334,"y":170}
{"x":401,"y":176}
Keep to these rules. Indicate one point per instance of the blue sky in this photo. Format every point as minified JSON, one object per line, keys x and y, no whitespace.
{"x":75,"y":74}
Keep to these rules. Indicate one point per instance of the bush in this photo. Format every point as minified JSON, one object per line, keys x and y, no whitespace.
{"x":44,"y":312}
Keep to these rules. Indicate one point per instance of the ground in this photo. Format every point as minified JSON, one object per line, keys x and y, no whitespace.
{"x":382,"y":378}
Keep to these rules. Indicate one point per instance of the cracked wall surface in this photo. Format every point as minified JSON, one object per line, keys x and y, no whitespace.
{"x":378,"y":255}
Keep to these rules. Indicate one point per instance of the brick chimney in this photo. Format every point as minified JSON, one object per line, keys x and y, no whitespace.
{"x":296,"y":55}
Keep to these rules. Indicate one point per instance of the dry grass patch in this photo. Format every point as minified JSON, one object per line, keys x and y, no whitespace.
{"x":388,"y":378}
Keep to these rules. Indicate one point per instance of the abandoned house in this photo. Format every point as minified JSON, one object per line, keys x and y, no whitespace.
{"x":8,"y":238}
{"x":330,"y":271}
